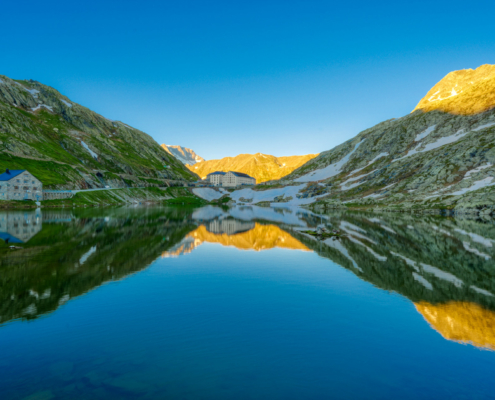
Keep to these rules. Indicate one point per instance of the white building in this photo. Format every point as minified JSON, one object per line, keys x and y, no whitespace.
{"x":233,"y":179}
{"x":19,"y":184}
{"x":19,"y":227}
{"x":215,"y":178}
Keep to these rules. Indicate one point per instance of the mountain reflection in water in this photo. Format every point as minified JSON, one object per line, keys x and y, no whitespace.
{"x":444,"y":266}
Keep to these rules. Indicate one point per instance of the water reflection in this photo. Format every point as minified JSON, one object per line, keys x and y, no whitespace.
{"x":444,"y":266}
{"x":16,"y":227}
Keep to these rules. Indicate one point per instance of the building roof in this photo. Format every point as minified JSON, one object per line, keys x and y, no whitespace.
{"x":216,"y":173}
{"x":7,"y":176}
{"x":241,"y":174}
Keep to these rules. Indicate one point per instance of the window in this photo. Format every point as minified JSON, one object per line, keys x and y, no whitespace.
{"x":16,"y":187}
{"x":18,"y":181}
{"x":32,"y":182}
{"x":25,"y":181}
{"x":34,"y":187}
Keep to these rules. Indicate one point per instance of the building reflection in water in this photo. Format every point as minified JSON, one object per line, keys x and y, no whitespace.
{"x":445,"y":267}
{"x":19,"y":227}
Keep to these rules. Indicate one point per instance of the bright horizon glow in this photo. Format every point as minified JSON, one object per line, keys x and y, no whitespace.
{"x":222,"y":78}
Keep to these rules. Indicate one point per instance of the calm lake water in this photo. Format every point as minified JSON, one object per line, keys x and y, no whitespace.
{"x":240,"y":303}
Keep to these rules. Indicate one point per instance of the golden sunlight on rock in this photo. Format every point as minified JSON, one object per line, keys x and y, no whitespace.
{"x":261,"y":237}
{"x":461,"y":322}
{"x":463,"y":92}
{"x":262,"y":167}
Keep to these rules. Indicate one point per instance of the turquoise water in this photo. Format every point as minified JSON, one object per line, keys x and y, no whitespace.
{"x":222,"y":304}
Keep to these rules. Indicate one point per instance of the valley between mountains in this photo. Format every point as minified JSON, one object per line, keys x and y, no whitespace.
{"x":441,"y":156}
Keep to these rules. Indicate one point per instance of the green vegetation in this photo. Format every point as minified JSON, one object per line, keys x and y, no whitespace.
{"x":189,"y":200}
{"x":51,"y":142}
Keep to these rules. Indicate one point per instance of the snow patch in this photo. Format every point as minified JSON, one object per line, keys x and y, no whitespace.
{"x":350,"y":185}
{"x":482,"y":291}
{"x":408,"y":261}
{"x":377,"y":256}
{"x":86,"y":255}
{"x":475,"y":186}
{"x":479,"y":128}
{"x":478,"y":169}
{"x":329,"y":170}
{"x":442,"y":274}
{"x":42,"y":105}
{"x":425,"y":133}
{"x":93,"y":154}
{"x":335,"y":244}
{"x":207,"y":193}
{"x":476,"y":238}
{"x":66,"y":103}
{"x":207,"y":213}
{"x":371,"y":162}
{"x":475,"y":251}
{"x":435,"y":145}
{"x":270,"y":194}
{"x":423,"y":281}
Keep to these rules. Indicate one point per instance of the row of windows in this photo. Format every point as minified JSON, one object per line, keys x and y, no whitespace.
{"x":14,"y":194}
{"x":25,"y":181}
{"x":24,"y":188}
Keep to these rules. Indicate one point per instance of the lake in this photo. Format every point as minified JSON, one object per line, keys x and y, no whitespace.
{"x":243,"y":303}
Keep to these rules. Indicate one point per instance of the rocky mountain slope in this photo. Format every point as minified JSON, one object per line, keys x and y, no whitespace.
{"x":69,"y":146}
{"x":183,"y":154}
{"x":430,"y":158}
{"x":263,"y":167}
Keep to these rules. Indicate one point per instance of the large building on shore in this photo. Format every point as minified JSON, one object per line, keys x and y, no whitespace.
{"x":230,"y":179}
{"x":19,"y":184}
{"x":215,"y":178}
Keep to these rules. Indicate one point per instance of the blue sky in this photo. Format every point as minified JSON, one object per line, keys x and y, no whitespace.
{"x":231,"y":77}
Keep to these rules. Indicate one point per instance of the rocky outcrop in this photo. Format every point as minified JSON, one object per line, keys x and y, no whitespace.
{"x":67,"y":145}
{"x":183,"y":154}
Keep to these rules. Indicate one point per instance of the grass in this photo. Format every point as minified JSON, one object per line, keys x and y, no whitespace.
{"x":222,"y":200}
{"x":189,"y":200}
{"x":48,"y":172}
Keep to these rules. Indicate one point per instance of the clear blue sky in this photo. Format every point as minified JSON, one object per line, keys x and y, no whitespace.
{"x":231,"y":77}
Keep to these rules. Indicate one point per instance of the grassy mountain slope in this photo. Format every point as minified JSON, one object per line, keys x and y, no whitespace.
{"x":263,"y":167}
{"x":69,"y":146}
{"x":433,"y":158}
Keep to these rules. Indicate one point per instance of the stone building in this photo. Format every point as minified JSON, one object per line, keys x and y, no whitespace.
{"x":19,"y":184}
{"x":229,"y":226}
{"x":233,"y":179}
{"x":230,"y":179}
{"x":215,"y":178}
{"x":57,"y":194}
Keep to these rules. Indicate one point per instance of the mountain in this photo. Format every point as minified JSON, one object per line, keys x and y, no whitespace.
{"x":183,"y":154}
{"x":465,"y":92}
{"x":441,"y":156}
{"x":263,"y":167}
{"x":69,"y":146}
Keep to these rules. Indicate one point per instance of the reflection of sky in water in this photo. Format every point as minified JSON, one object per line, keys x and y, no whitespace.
{"x":220,"y":320}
